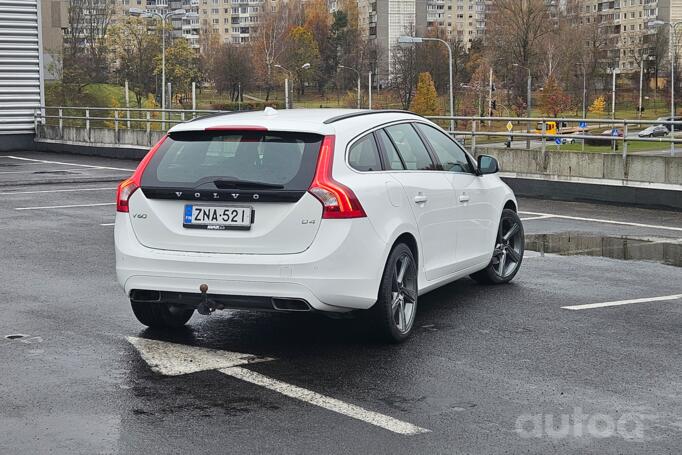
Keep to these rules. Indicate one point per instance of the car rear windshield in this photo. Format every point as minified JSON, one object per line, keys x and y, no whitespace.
{"x":234,"y":159}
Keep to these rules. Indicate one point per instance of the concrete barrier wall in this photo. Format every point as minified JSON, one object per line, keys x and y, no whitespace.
{"x":555,"y":165}
{"x":99,"y":136}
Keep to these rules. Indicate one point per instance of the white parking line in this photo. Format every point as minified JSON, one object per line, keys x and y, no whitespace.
{"x":107,"y":224}
{"x":598,"y":220}
{"x":622,"y":302}
{"x":541,"y":217}
{"x":67,"y":164}
{"x":64,"y":206}
{"x":63,"y":190}
{"x":329,"y":403}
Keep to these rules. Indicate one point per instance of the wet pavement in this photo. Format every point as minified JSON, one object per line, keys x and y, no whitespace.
{"x":488,"y":370}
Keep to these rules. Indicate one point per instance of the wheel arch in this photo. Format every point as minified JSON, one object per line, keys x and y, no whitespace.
{"x":408,"y":239}
{"x":510,"y":204}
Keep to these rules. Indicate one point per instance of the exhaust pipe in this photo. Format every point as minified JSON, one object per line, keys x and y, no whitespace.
{"x":143,"y":295}
{"x":283,"y":304}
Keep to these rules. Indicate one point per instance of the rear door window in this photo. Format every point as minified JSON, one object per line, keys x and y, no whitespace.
{"x":410,"y":147}
{"x":364,"y":155}
{"x":393,"y":161}
{"x":232,"y":159}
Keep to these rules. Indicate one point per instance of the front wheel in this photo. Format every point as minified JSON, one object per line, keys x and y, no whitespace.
{"x":396,"y":307}
{"x":508,"y":253}
{"x":159,"y":315}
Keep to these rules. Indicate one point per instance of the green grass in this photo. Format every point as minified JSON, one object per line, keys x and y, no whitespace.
{"x":92,"y":95}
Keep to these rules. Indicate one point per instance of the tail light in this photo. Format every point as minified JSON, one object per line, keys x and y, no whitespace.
{"x":338,"y":201}
{"x":127,"y":187}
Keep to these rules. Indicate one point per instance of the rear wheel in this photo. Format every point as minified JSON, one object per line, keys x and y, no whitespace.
{"x":160,"y":315}
{"x":396,"y":308}
{"x":508,"y":253}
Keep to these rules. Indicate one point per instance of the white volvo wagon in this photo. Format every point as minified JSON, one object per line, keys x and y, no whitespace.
{"x":310,"y":210}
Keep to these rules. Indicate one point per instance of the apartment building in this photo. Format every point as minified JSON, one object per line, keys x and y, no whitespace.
{"x":463,"y":20}
{"x":624,"y":27}
{"x":383,"y":21}
{"x":234,"y":21}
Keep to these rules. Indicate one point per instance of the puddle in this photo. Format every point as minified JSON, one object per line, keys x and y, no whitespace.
{"x":664,"y":251}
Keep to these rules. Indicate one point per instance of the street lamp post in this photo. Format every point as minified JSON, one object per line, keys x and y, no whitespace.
{"x":528,"y":101}
{"x":358,"y":74}
{"x":163,"y":16}
{"x":369,"y":91}
{"x":614,"y":73}
{"x":419,"y":39}
{"x":305,"y":66}
{"x":671,"y":45}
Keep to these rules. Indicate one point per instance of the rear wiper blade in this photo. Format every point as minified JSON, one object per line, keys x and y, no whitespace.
{"x":245,"y":184}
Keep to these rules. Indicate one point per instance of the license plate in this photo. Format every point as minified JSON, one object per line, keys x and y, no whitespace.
{"x":217,"y":218}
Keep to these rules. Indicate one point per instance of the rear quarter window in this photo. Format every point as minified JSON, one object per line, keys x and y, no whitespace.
{"x":364,"y":155}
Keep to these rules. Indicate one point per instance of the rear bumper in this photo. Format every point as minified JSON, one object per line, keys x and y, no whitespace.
{"x":340,"y":271}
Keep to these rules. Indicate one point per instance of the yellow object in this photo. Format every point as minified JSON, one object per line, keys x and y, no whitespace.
{"x":550,"y":128}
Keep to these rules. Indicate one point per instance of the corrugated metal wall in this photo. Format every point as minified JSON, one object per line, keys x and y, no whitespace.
{"x":20,"y":65}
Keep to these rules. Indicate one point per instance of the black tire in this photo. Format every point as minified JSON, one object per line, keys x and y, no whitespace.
{"x":395,"y":310}
{"x":159,"y":315}
{"x":508,"y":253}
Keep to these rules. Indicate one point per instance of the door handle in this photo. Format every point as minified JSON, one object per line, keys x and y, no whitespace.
{"x":420,"y":199}
{"x":464,"y":198}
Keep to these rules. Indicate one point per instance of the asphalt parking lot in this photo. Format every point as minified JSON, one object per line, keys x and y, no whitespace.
{"x":580,"y":354}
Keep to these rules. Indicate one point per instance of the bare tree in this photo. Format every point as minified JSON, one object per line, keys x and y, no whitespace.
{"x":405,"y":72}
{"x":270,"y":41}
{"x":85,"y":50}
{"x":232,"y":69}
{"x":517,"y":29}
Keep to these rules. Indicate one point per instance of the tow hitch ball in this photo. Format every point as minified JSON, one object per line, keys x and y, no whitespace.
{"x":207,"y":306}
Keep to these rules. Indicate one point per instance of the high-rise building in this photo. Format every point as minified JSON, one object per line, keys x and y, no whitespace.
{"x":463,"y":20}
{"x":623,"y":27}
{"x":383,"y":21}
{"x":234,"y":21}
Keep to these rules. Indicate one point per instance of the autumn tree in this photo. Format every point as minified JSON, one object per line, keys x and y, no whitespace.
{"x":554,"y":100}
{"x":598,"y":106}
{"x":134,"y":54}
{"x":303,"y":49}
{"x":318,"y":22}
{"x":182,"y":67}
{"x":426,"y":98}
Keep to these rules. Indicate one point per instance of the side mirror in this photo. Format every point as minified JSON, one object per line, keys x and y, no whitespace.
{"x":487,"y":165}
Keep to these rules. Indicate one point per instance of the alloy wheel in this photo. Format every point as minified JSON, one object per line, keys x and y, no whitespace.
{"x":509,"y":248}
{"x":404,"y":293}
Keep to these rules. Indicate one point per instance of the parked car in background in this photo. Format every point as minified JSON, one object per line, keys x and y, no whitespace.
{"x":668,"y":119}
{"x":654,"y":131}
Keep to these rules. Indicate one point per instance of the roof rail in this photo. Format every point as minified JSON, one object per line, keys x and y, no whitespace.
{"x":366,"y":112}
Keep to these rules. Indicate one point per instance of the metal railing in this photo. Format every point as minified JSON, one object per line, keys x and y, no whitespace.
{"x":474,"y":127}
{"x":489,"y":127}
{"x":115,"y":117}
